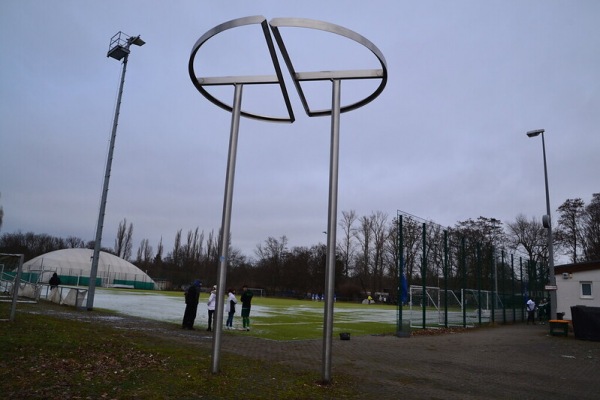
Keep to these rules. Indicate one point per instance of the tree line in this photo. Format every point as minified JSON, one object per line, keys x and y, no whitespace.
{"x":367,"y":253}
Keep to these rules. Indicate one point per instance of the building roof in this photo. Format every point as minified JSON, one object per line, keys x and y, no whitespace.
{"x":578,"y":267}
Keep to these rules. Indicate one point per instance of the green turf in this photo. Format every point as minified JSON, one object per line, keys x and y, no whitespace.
{"x":290,"y":319}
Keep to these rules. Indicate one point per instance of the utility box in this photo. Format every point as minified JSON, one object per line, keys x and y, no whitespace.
{"x":586,"y":322}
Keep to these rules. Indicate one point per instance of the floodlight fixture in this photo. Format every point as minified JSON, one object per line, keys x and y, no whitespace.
{"x":119,"y":45}
{"x":535,"y":132}
{"x":137,"y":41}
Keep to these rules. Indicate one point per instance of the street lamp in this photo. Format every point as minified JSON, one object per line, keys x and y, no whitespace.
{"x":119,"y":50}
{"x":547,"y":222}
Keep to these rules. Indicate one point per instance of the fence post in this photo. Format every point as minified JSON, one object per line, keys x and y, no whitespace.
{"x":503,"y":288}
{"x":424,"y":275}
{"x":512,"y":268}
{"x":464,"y":279}
{"x":446,"y":279}
{"x":479,"y":266}
{"x":400,"y":278}
{"x":494,"y":291}
{"x":522,"y":289}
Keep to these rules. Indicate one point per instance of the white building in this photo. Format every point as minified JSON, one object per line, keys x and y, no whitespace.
{"x":577,"y":285}
{"x":73,"y":267}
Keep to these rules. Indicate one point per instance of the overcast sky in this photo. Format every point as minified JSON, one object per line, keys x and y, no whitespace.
{"x":445,"y":141}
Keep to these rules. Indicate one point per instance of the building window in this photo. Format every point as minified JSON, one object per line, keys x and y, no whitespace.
{"x":586,"y":290}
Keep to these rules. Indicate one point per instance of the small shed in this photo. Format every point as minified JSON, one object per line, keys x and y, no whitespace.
{"x":577,"y":285}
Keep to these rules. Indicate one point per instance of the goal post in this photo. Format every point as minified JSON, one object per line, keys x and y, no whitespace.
{"x":257,"y":291}
{"x":15,"y":284}
{"x":436,"y":307}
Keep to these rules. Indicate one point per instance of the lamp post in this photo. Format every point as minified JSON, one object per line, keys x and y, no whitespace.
{"x":119,"y":50}
{"x":547,"y":222}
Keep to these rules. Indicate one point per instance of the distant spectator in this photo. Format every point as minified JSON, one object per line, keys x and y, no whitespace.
{"x":54,"y":281}
{"x":543,"y":311}
{"x":192,"y":296}
{"x":246,"y":303}
{"x":230,"y":308}
{"x":530,"y":311}
{"x":212,"y":299}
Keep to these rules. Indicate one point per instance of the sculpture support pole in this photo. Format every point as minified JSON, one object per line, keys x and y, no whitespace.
{"x":225,"y":227}
{"x":331,"y":231}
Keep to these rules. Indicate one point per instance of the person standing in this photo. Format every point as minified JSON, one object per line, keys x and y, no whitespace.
{"x":230,"y":308}
{"x":210,"y":304}
{"x":192,"y":297}
{"x":246,"y":302}
{"x":54,"y":281}
{"x":530,"y":311}
{"x":543,"y":311}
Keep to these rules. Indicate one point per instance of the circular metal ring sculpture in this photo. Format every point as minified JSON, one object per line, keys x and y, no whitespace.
{"x":200,"y":82}
{"x":298,"y":77}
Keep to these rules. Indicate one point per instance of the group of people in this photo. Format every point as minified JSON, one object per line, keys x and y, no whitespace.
{"x":192,"y":298}
{"x":542,"y":310}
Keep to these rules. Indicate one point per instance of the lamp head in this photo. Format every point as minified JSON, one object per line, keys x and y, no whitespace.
{"x":535,"y":133}
{"x":136,"y":40}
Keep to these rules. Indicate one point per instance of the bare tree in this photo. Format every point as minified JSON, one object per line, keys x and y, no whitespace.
{"x":391,"y":248}
{"x":159,"y":252}
{"x":413,"y":244}
{"x":193,"y":248}
{"x":347,"y":248}
{"x":569,"y":233}
{"x":73,"y":242}
{"x":123,"y":241}
{"x":212,"y":247}
{"x":591,"y":235}
{"x":528,"y":235}
{"x":379,"y":234}
{"x":272,"y":256}
{"x":176,"y":254}
{"x":363,"y":258}
{"x":144,"y":252}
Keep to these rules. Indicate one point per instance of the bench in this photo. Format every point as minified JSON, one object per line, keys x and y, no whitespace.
{"x":559,"y":327}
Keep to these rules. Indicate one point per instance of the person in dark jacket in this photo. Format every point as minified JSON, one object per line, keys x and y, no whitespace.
{"x":54,"y":281}
{"x":192,"y":297}
{"x":246,"y":304}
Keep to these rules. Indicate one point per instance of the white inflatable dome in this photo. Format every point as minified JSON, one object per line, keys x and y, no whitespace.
{"x":73,"y":266}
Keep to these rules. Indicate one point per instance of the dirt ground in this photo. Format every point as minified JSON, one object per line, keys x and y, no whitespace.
{"x":516,"y":361}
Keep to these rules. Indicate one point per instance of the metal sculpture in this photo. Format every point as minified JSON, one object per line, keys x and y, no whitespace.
{"x":336,"y":77}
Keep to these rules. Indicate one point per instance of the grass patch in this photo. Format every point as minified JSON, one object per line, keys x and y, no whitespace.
{"x":291,"y":319}
{"x":49,"y":357}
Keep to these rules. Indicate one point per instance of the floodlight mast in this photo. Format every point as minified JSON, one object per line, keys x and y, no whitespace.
{"x":547,"y":222}
{"x":119,"y":50}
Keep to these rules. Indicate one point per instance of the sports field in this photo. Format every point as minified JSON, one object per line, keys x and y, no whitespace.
{"x":271,"y":318}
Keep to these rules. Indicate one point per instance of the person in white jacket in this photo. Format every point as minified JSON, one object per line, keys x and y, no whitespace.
{"x":531,"y":311}
{"x":230,"y":308}
{"x":210,"y":304}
